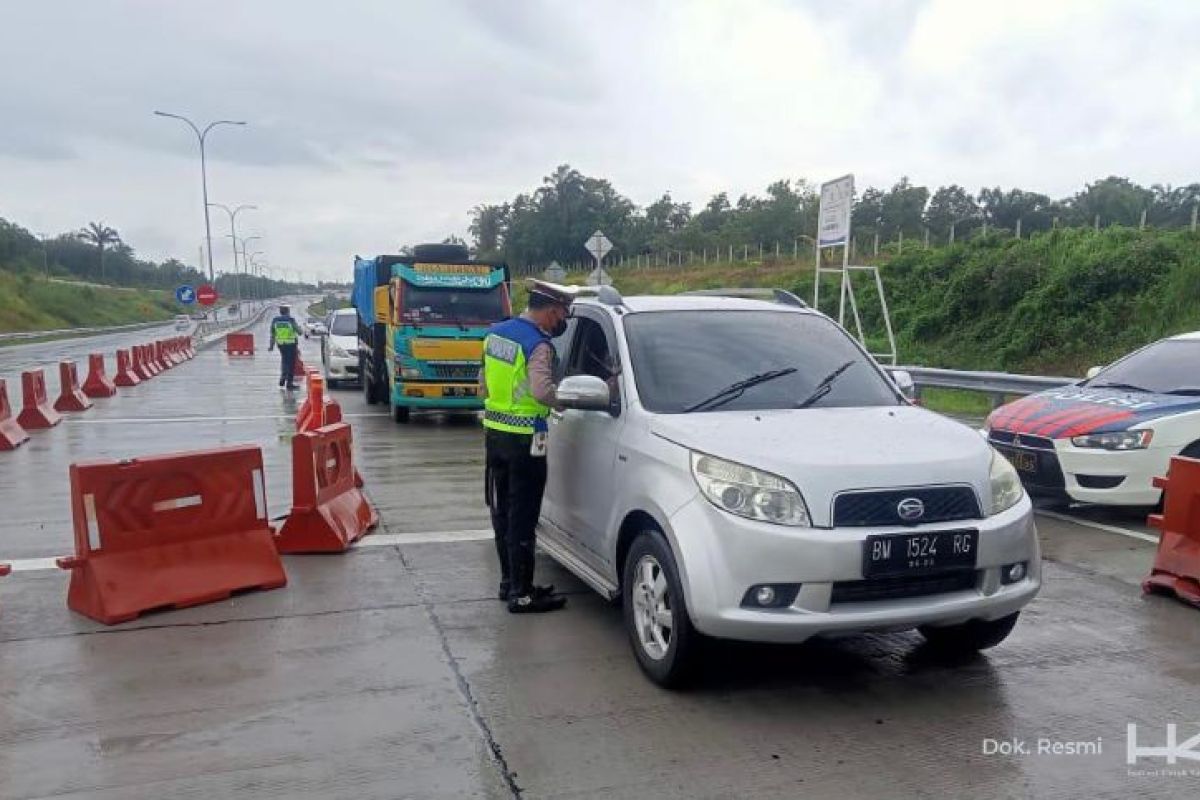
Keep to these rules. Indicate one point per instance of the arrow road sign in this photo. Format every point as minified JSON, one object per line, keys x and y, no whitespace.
{"x":185,"y":294}
{"x":599,"y":246}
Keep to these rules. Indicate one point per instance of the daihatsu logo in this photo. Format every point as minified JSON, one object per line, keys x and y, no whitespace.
{"x":910,"y":509}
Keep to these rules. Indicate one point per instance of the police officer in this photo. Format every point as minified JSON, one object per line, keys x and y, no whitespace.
{"x":517,"y":383}
{"x":285,"y":333}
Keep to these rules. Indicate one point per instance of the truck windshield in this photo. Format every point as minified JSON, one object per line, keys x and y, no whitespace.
{"x":743,"y":360}
{"x":430,"y":305}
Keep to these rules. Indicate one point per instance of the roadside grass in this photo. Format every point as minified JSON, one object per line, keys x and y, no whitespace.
{"x":956,"y":402}
{"x":29,"y":303}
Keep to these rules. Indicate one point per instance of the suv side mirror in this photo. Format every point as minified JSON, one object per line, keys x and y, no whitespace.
{"x":1093,"y":372}
{"x":904,"y":382}
{"x":584,"y":392}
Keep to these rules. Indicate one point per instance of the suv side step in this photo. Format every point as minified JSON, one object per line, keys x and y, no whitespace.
{"x":581,"y":570}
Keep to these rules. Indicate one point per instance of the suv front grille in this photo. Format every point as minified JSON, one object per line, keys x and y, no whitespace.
{"x":901,"y":587}
{"x":942,"y":504}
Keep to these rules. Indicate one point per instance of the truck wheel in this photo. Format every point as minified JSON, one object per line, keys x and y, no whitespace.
{"x":656,"y":616}
{"x":369,"y":393}
{"x":400,"y":414}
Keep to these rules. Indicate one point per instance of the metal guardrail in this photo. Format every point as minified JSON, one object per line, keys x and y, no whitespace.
{"x":998,"y":385}
{"x":63,"y":332}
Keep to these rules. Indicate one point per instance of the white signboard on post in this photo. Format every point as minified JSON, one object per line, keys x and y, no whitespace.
{"x":599,"y":246}
{"x":555,"y":272}
{"x":837,"y":199}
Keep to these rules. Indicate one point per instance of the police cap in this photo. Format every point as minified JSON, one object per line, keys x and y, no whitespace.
{"x":544,"y":293}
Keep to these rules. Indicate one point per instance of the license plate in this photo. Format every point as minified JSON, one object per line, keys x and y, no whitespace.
{"x":459,"y":391}
{"x":1023,"y":461}
{"x":917,"y":553}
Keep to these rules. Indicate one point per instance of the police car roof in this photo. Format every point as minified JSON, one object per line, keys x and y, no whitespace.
{"x":676,"y":302}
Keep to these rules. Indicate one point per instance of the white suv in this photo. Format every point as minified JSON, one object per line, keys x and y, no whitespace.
{"x":339,"y":347}
{"x":742,"y":469}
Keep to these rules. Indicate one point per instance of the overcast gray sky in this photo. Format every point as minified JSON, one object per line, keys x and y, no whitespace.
{"x":377,"y":123}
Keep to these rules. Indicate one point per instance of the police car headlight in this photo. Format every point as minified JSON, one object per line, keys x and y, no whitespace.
{"x":1124,"y":440}
{"x":748,"y":492}
{"x":1004,"y":484}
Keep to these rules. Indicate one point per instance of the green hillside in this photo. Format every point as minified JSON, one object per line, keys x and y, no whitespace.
{"x":29,"y":303}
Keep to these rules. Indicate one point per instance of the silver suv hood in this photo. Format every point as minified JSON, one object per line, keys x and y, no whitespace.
{"x":825,"y":451}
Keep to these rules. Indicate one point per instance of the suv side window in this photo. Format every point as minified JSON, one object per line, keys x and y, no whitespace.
{"x":591,"y":353}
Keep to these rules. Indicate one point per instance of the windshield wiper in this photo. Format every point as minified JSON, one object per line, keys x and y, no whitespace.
{"x":1126,"y":386}
{"x":735,"y":390}
{"x":825,"y":386}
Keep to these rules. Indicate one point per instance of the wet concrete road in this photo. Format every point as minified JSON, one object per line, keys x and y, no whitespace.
{"x":392,"y":672}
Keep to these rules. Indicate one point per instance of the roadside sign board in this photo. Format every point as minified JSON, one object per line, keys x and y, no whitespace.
{"x":837,"y":199}
{"x":206,"y":295}
{"x":555,"y":272}
{"x":599,"y":246}
{"x":185,"y":294}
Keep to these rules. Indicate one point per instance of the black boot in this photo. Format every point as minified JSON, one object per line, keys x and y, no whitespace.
{"x":538,"y":591}
{"x":533,"y":603}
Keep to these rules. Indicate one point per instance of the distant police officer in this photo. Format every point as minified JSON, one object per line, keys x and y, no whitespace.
{"x":285,"y":333}
{"x":518,"y":387}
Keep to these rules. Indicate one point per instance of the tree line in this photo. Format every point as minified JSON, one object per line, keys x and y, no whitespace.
{"x":98,"y":254}
{"x":552,"y":222}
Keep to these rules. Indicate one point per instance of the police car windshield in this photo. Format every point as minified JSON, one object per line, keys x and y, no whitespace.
{"x":1166,"y":367}
{"x":430,"y":306}
{"x":681,"y":359}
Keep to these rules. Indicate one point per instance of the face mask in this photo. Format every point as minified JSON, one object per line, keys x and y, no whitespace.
{"x":559,"y":328}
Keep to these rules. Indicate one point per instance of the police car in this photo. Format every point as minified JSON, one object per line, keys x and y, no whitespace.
{"x":1104,"y":439}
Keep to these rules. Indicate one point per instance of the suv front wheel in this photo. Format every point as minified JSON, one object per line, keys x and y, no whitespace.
{"x":656,"y":617}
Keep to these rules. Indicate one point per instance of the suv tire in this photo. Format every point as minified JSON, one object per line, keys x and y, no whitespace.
{"x":653,"y":594}
{"x":970,"y":636}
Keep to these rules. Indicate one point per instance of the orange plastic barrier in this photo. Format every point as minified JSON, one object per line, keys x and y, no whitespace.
{"x":36,"y":411}
{"x":311,"y":413}
{"x":189,"y":347}
{"x":1176,"y":567}
{"x":149,"y":360}
{"x":126,"y":374}
{"x":171,"y":530}
{"x":329,"y":512}
{"x":159,"y":355}
{"x":239,"y":344}
{"x":12,"y":435}
{"x":298,"y":368}
{"x":71,"y":397}
{"x":98,"y":384}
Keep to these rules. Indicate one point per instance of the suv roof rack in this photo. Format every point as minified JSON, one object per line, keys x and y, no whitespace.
{"x":781,"y":296}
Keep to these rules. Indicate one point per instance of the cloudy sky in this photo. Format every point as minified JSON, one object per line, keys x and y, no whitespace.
{"x":375,"y":123}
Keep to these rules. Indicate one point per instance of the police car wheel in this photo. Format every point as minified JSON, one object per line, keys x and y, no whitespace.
{"x":970,"y":636}
{"x":656,"y":616}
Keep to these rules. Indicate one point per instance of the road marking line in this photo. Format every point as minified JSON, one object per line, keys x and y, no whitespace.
{"x":1100,"y":526}
{"x":434,"y":537}
{"x":238,"y":418}
{"x":371,"y":540}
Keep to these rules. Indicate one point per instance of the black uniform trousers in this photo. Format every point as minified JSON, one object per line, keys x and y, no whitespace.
{"x":515,"y":481}
{"x":287,"y":363}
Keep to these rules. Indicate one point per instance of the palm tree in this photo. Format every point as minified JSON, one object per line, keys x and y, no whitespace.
{"x":100,"y":234}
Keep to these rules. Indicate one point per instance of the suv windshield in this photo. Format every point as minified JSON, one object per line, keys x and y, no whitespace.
{"x":452,"y":306}
{"x":1163,"y":367}
{"x":343,"y":325}
{"x":681,"y":359}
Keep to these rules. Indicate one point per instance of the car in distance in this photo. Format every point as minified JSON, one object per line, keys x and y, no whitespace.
{"x":743,"y":469}
{"x":315,"y":327}
{"x":182,"y":322}
{"x":339,"y":347}
{"x":1104,"y":439}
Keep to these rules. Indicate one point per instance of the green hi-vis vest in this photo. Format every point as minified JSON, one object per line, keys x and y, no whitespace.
{"x":285,"y":333}
{"x":509,"y":405}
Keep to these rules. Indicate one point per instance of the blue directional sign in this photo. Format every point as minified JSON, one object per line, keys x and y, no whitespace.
{"x":185,"y":294}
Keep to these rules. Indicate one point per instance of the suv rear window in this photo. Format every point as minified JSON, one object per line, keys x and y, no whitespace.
{"x":681,"y":358}
{"x":343,"y":325}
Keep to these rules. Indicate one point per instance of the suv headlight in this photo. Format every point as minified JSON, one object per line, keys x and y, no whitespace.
{"x":748,"y":492}
{"x":1005,"y":485}
{"x":1124,"y":440}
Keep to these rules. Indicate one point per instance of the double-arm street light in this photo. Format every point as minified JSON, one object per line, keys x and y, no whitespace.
{"x":201,"y":135}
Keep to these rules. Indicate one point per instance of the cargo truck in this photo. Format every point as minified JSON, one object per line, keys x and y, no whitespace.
{"x":421,"y":323}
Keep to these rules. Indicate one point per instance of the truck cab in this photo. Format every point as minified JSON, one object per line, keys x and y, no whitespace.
{"x":422,"y":319}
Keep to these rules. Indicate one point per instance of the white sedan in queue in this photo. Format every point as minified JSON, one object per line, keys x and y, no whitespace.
{"x":339,"y":347}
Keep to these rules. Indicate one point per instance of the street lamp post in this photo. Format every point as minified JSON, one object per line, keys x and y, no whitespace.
{"x":237,"y":280}
{"x":200,"y":137}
